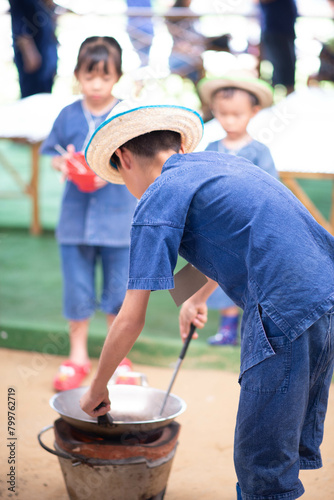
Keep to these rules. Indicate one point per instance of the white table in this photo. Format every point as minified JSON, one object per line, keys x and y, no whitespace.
{"x":28,"y":122}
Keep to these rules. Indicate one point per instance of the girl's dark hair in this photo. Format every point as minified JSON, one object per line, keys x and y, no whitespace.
{"x":95,"y":49}
{"x":228,"y":93}
{"x":148,"y":145}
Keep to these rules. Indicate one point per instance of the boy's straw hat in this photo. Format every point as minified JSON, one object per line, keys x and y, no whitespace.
{"x":240,"y":79}
{"x":127,"y":121}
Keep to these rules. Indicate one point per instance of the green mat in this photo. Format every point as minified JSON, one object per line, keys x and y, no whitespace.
{"x":30,"y":314}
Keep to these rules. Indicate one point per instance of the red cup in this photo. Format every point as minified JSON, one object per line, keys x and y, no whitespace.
{"x":80,"y":173}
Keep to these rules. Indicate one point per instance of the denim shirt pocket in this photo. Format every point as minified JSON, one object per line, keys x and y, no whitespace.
{"x":271,"y":357}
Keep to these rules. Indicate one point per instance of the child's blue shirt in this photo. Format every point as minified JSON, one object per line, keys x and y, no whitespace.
{"x":102,"y":217}
{"x":254,"y":151}
{"x":242,"y":228}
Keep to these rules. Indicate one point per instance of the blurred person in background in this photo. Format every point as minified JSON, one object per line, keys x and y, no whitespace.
{"x":326,"y":58}
{"x":140,"y":30}
{"x":188,"y":43}
{"x":277,"y":45}
{"x":34,"y":44}
{"x":234,"y":99}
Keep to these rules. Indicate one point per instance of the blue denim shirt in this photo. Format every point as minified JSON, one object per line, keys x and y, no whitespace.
{"x":254,"y":151}
{"x":242,"y":228}
{"x":101,"y":218}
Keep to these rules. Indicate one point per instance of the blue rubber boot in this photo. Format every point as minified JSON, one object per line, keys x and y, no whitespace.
{"x":227,"y":333}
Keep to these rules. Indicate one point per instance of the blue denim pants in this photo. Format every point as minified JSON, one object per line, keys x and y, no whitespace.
{"x":282,"y":407}
{"x":79,"y":269}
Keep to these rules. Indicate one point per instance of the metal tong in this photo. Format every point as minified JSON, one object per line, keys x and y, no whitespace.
{"x":107,"y":420}
{"x":178,"y":364}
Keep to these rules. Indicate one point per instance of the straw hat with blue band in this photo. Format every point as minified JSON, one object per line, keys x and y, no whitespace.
{"x":243,"y":80}
{"x":126,"y":122}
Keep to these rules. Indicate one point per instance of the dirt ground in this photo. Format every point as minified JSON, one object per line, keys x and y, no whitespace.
{"x":203,"y":464}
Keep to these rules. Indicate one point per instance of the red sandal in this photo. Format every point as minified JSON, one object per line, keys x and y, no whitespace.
{"x":70,"y":375}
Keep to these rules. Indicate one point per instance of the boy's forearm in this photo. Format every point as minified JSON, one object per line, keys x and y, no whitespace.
{"x":123,"y":333}
{"x":204,"y":293}
{"x":118,"y":343}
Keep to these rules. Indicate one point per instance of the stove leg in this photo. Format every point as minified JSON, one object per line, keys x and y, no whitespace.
{"x":159,"y":496}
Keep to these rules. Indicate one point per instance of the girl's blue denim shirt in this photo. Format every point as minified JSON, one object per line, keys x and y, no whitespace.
{"x":102,"y":217}
{"x":242,"y":228}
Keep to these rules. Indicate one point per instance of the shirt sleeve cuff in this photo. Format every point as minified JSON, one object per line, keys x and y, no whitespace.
{"x":151,"y":284}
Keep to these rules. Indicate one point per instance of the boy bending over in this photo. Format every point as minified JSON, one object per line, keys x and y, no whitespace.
{"x":248,"y":233}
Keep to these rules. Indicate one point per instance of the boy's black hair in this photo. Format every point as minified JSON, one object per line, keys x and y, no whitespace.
{"x":148,"y":145}
{"x":229,"y":92}
{"x":95,"y":49}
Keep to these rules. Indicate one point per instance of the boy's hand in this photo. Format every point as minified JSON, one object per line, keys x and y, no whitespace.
{"x":192,"y":312}
{"x":91,"y":399}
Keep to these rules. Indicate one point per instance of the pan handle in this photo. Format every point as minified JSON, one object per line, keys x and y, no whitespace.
{"x":178,"y":364}
{"x":50,"y":450}
{"x":104,"y":420}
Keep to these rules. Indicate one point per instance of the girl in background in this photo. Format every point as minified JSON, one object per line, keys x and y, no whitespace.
{"x":94,"y":227}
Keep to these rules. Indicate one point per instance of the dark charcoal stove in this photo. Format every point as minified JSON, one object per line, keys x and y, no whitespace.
{"x":131,"y":466}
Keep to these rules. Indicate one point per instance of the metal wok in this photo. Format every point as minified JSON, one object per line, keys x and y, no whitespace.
{"x":133,"y":409}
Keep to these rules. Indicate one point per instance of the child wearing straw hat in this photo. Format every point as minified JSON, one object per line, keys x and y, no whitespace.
{"x":248,"y":233}
{"x":234,"y":100}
